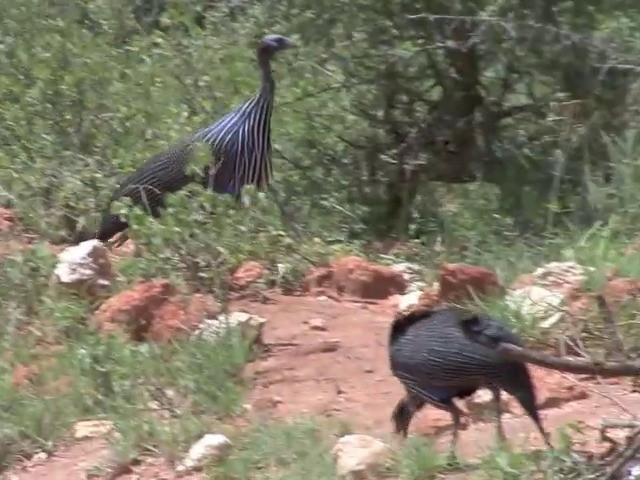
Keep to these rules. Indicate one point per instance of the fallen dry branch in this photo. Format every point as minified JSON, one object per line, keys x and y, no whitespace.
{"x":614,"y":445}
{"x":489,"y":337}
{"x":624,"y":456}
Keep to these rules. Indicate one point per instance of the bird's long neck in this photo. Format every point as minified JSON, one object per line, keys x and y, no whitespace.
{"x":268,"y":84}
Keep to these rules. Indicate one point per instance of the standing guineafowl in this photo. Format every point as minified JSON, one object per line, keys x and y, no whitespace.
{"x":240,"y":143}
{"x":435,"y":361}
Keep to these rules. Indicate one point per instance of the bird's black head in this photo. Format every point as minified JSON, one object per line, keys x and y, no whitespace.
{"x":271,"y":44}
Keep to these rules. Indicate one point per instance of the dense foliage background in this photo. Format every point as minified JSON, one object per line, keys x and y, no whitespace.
{"x":467,"y":122}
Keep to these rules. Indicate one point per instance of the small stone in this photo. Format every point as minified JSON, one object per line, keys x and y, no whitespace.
{"x":86,"y":264}
{"x":40,"y":457}
{"x":481,"y":404}
{"x":251,"y":326}
{"x":317,"y":324}
{"x":209,"y":448}
{"x":359,"y":455}
{"x":92,"y":429}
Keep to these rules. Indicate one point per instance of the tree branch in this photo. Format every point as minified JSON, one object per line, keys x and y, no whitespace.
{"x":566,"y":364}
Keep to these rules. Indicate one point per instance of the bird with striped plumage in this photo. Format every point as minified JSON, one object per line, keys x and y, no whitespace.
{"x":241,"y":140}
{"x":436,"y":362}
{"x":240,"y":144}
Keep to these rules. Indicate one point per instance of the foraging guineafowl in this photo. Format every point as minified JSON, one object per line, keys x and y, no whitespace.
{"x":435,"y":361}
{"x":240,"y":144}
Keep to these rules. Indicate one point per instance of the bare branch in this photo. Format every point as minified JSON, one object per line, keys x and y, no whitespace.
{"x":570,"y":365}
{"x":625,"y":456}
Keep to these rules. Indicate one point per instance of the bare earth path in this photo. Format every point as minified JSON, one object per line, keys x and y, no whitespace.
{"x":329,"y":358}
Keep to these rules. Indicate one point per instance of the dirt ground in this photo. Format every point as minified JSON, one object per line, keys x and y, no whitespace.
{"x":328,"y":357}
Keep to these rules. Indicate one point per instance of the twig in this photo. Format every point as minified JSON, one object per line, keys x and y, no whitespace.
{"x":625,"y":456}
{"x":609,"y":424}
{"x":611,"y":398}
{"x":610,"y":325}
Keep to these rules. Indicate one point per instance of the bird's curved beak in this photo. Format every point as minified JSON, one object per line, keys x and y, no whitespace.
{"x":290,"y":44}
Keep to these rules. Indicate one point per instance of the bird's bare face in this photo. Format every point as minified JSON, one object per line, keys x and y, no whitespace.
{"x":276,"y":43}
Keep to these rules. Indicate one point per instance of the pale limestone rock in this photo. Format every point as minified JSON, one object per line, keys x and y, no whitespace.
{"x":358,"y":456}
{"x":211,"y":447}
{"x":92,"y":429}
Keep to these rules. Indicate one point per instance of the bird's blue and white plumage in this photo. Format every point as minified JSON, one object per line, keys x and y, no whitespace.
{"x":241,"y":140}
{"x":241,"y":143}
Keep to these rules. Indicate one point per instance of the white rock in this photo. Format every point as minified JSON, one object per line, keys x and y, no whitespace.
{"x":40,"y":457}
{"x":317,"y":324}
{"x":87,"y":262}
{"x":251,"y":326}
{"x":358,"y":455}
{"x":409,"y":299}
{"x":481,"y":403}
{"x":211,"y":447}
{"x":556,"y":274}
{"x":538,"y":303}
{"x":92,"y":429}
{"x":411,"y":272}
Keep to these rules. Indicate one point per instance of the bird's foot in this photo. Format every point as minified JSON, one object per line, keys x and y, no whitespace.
{"x":452,"y":460}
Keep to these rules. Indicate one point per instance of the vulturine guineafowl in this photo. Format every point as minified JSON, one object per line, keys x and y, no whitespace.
{"x":436,"y":362}
{"x":240,"y":143}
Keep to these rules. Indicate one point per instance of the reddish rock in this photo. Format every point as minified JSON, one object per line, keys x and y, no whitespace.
{"x":318,"y":278}
{"x":247,"y":274}
{"x":57,"y":387}
{"x":430,"y":298}
{"x":458,"y":279}
{"x":152,"y":311}
{"x":7,"y":219}
{"x":22,"y":375}
{"x":357,"y":277}
{"x":618,"y":290}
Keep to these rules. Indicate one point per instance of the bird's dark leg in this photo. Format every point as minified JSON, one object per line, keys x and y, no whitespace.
{"x":404,"y":411}
{"x":456,"y":413}
{"x":499,"y":428}
{"x":545,"y":435}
